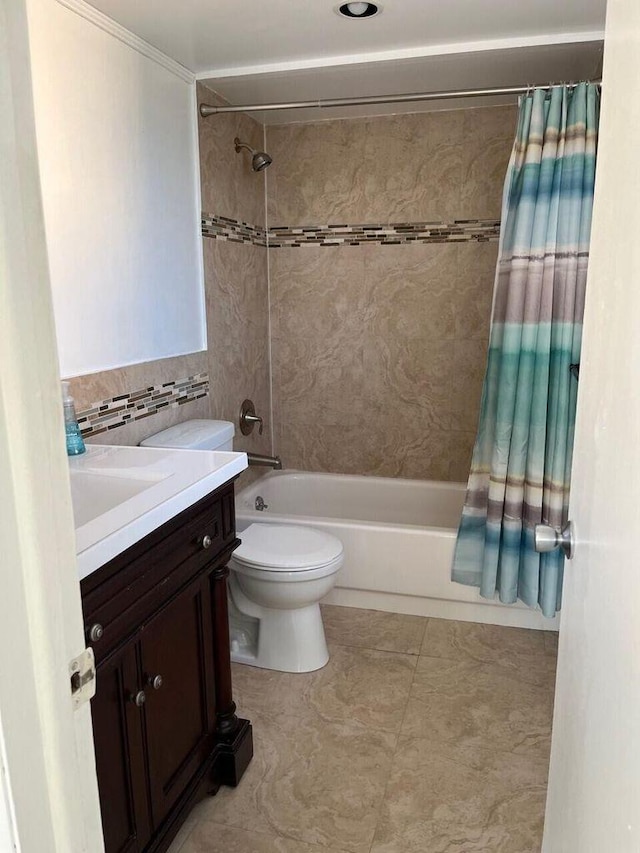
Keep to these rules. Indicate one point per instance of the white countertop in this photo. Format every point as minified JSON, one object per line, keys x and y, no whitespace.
{"x":120,"y":494}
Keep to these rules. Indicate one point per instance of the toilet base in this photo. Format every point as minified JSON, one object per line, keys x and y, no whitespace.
{"x":283,"y":640}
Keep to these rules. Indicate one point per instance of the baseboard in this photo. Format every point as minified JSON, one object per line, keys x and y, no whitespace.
{"x":488,"y":614}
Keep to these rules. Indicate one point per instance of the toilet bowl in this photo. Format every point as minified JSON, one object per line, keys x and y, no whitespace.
{"x":278,"y":576}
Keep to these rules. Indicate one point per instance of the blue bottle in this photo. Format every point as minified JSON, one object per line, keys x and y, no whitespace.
{"x":75,"y":442}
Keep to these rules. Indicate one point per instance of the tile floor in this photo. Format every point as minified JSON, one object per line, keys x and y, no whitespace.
{"x":419,"y":736}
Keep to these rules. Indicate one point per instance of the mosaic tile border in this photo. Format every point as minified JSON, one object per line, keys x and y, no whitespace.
{"x":391,"y":234}
{"x":222,"y":228}
{"x":123,"y":409}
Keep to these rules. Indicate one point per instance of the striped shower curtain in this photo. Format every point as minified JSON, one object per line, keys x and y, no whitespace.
{"x":522,"y":456}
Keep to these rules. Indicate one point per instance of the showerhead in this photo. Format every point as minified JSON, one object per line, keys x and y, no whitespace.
{"x":260,"y":159}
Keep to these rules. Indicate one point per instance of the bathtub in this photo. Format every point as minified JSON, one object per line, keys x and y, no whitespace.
{"x":398,"y":538}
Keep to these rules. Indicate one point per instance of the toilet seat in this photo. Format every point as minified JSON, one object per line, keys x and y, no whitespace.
{"x":289,"y":549}
{"x":285,"y":575}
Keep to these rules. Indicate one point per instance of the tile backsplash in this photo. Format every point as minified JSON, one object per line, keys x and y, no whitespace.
{"x":124,"y":405}
{"x":123,"y":409}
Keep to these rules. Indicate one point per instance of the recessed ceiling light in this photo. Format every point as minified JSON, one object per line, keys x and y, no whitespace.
{"x":358,"y":10}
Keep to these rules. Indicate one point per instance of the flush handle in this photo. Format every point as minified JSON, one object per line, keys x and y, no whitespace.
{"x":248,"y":418}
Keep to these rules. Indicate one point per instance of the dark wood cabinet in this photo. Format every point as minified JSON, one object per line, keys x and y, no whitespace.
{"x":177,"y":647}
{"x":165,"y":728}
{"x":118,"y":741}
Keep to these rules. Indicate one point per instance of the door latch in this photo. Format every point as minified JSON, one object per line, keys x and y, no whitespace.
{"x":82,"y":672}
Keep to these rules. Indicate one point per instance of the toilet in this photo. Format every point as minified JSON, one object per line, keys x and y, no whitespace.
{"x":278,"y":575}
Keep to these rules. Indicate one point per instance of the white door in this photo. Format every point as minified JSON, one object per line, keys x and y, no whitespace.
{"x":48,"y":788}
{"x":593,"y":802}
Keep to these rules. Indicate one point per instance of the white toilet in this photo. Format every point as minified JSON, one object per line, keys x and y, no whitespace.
{"x":278,"y":575}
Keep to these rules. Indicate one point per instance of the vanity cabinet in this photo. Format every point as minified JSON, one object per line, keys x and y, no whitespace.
{"x":164,"y":722}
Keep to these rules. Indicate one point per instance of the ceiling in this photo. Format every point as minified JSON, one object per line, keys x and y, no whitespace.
{"x":252,"y":51}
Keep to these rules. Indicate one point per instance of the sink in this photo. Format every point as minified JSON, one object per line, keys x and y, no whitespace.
{"x":120,"y":494}
{"x":94,"y":494}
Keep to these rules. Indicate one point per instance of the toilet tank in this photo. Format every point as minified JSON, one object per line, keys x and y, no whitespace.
{"x":198,"y":434}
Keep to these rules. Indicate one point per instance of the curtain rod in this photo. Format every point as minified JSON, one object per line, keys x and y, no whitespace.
{"x":207,"y":110}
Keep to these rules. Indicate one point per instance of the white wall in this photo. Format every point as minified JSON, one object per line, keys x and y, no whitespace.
{"x":118,"y":161}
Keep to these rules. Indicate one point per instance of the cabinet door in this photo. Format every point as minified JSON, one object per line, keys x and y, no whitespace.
{"x":117,"y":734}
{"x":176,"y":647}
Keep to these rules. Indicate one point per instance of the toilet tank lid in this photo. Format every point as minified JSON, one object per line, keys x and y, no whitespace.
{"x":199,"y":434}
{"x":286,"y":547}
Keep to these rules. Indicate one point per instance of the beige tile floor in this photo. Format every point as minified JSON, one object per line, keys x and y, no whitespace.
{"x":419,"y":736}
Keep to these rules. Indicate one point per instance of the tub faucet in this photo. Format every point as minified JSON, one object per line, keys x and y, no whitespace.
{"x":267,"y":461}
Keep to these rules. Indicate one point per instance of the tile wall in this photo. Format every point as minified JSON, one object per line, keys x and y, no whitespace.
{"x":379,"y":333}
{"x":235,"y":266}
{"x":127,"y":404}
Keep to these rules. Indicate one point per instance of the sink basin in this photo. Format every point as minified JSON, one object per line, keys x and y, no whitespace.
{"x":120,"y":494}
{"x":94,"y":494}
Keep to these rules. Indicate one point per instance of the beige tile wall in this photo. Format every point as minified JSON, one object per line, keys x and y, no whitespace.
{"x":238,"y":335}
{"x":236,"y":279}
{"x":378,"y":351}
{"x":405,"y":168}
{"x":229,"y":186}
{"x":94,"y":387}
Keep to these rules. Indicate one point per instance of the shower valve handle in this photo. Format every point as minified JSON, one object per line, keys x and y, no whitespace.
{"x":248,"y":418}
{"x":255,"y":419}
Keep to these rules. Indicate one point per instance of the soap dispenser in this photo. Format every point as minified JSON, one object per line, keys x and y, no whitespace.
{"x":75,"y":442}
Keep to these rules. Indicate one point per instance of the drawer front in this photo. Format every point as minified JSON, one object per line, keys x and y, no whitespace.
{"x":137,"y":582}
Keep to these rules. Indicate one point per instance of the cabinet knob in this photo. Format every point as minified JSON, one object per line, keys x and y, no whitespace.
{"x":95,"y":632}
{"x":206,"y":541}
{"x":138,"y":698}
{"x":155,"y":681}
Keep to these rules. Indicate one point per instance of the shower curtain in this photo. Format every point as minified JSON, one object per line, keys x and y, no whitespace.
{"x":522,"y":456}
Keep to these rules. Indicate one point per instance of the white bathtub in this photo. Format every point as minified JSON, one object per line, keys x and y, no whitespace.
{"x":398,"y":538}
